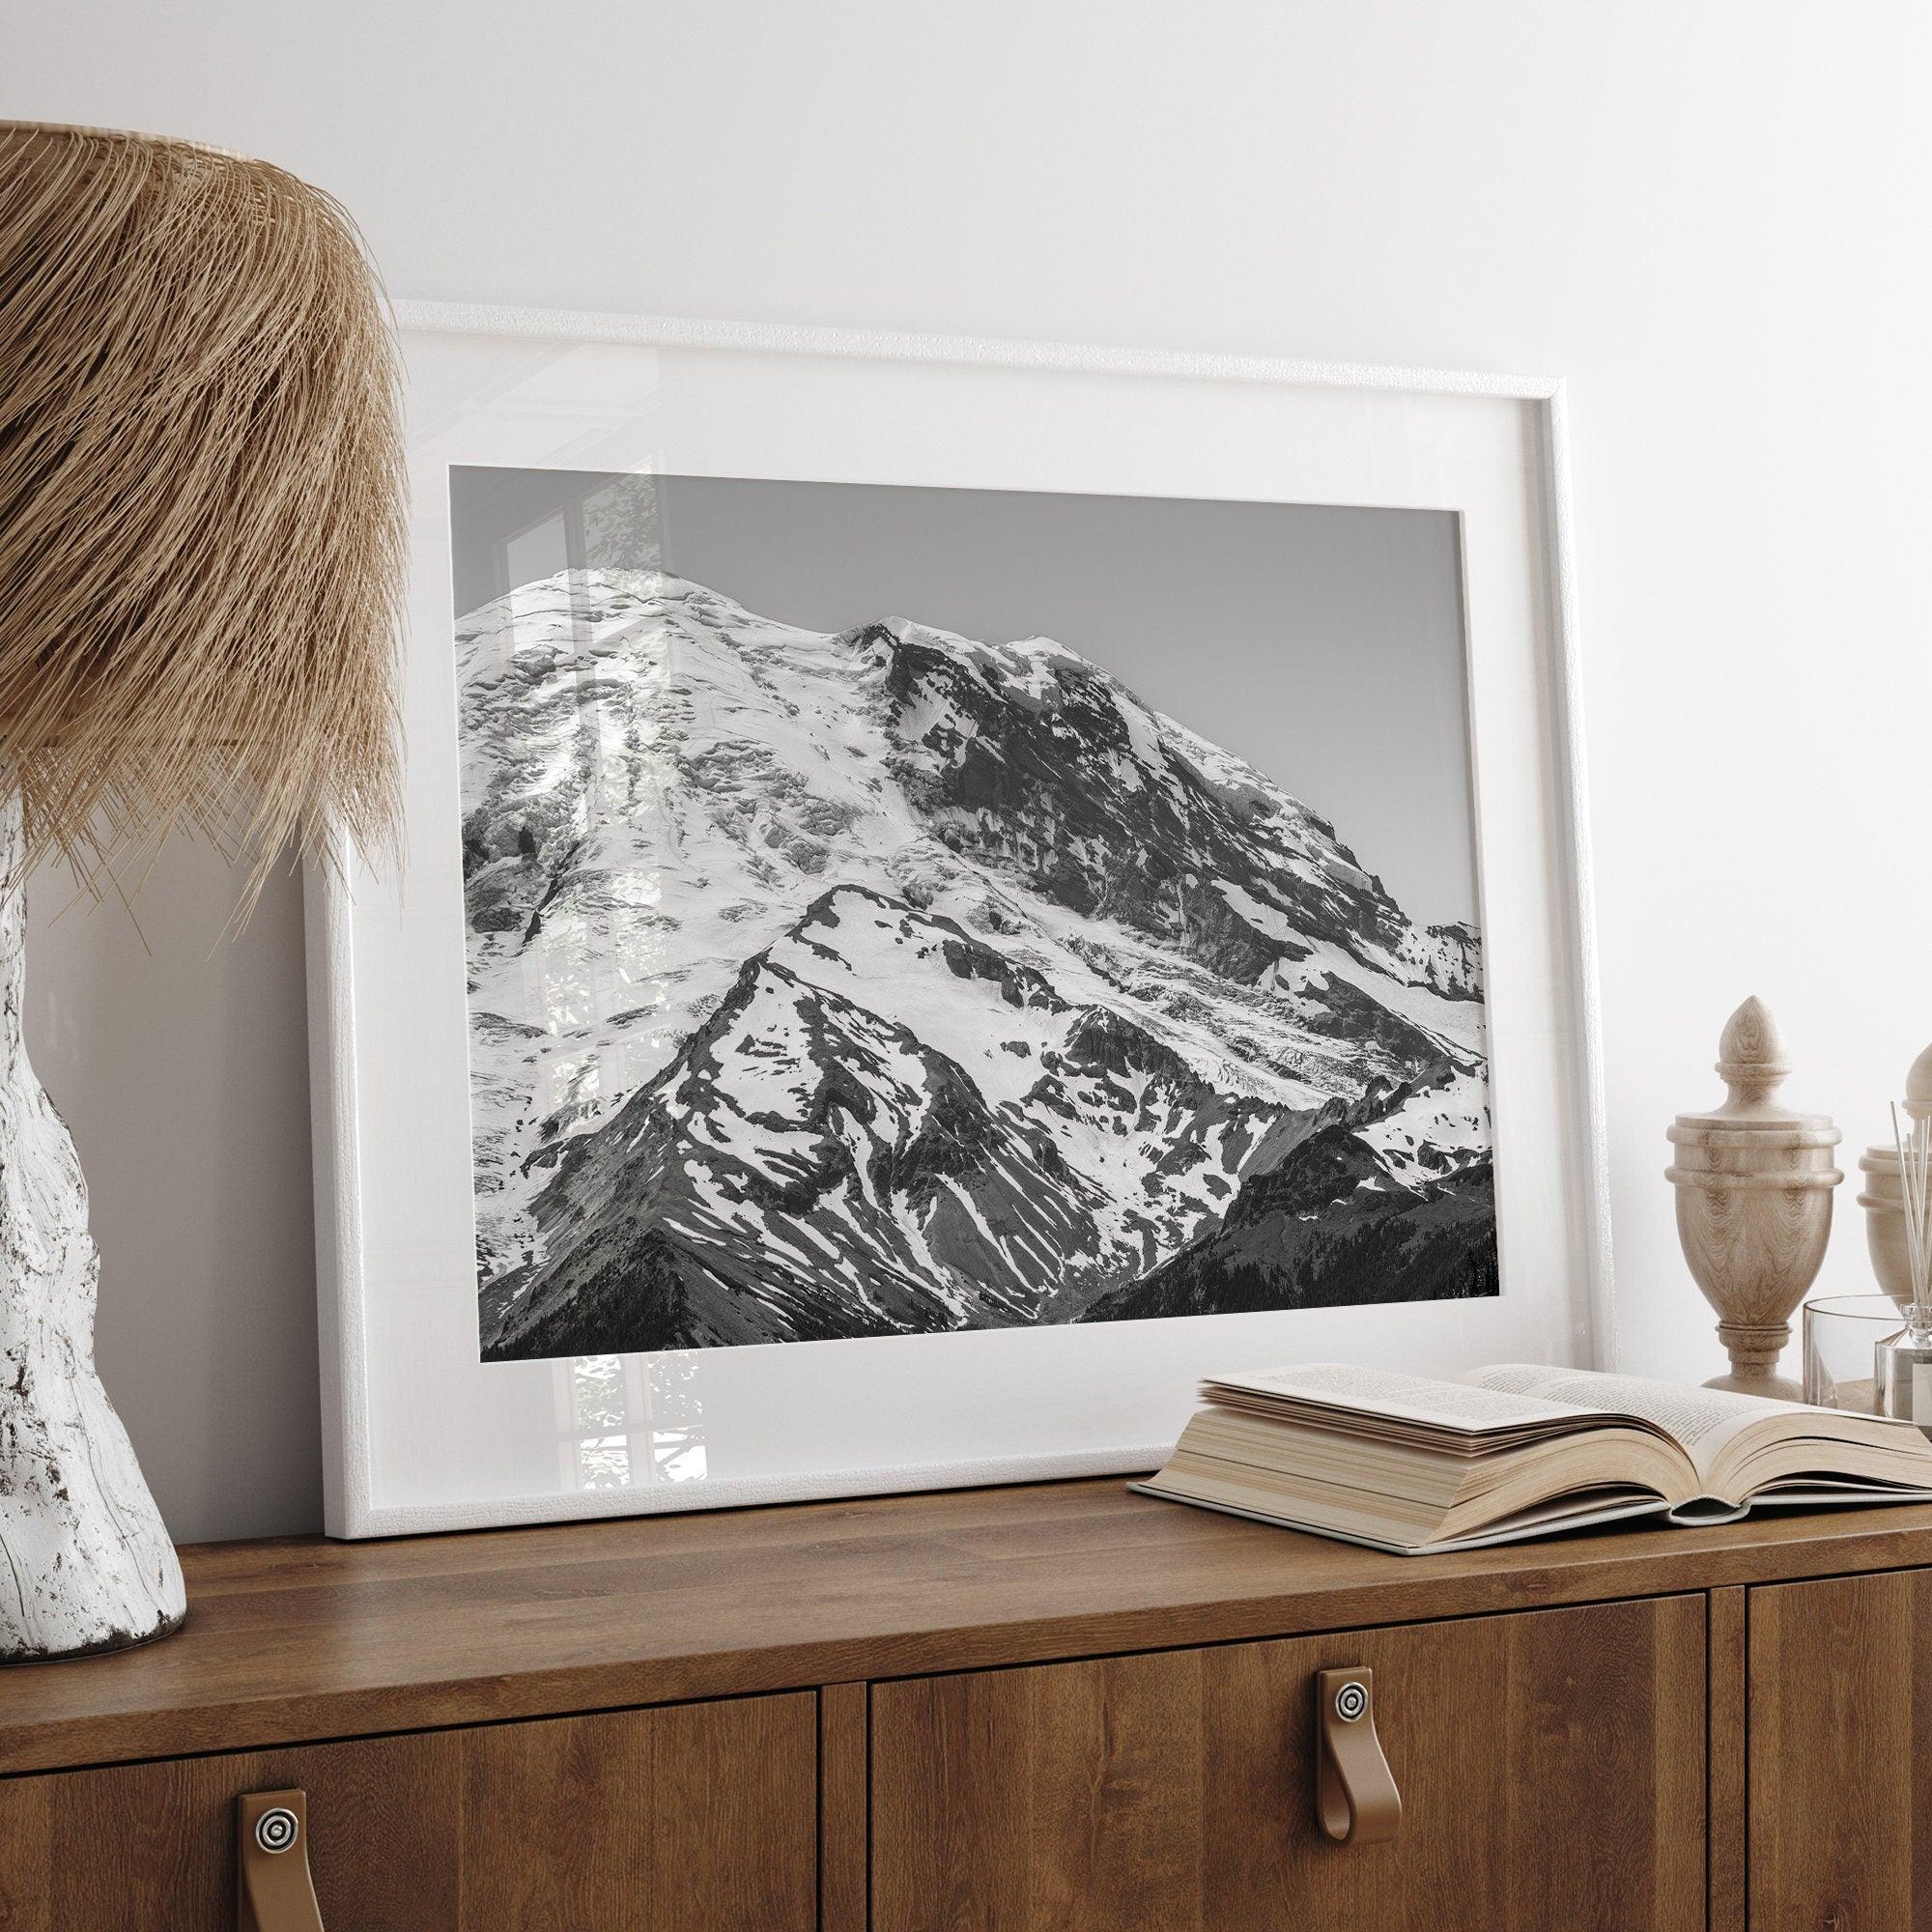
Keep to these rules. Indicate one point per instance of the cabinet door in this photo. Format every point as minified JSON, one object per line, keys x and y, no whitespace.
{"x":1550,"y":1766}
{"x":691,"y":1818}
{"x":1839,"y":1727}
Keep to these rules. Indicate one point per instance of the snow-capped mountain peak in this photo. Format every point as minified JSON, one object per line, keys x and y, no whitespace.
{"x":741,"y":895}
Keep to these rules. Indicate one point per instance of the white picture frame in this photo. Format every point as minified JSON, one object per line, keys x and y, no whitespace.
{"x":419,"y":1434}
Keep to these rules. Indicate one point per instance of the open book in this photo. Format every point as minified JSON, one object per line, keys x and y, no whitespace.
{"x":1406,"y":1463}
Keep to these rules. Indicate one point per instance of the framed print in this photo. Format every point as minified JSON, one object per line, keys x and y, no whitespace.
{"x":952,"y":890}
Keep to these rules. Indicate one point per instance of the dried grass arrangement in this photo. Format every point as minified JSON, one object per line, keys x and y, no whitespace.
{"x":201,"y":505}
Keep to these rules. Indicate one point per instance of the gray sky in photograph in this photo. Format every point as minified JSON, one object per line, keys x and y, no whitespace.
{"x":1323,"y":645}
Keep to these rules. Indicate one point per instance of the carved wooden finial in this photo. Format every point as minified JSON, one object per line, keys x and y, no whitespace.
{"x":1919,"y":1088}
{"x":1750,"y":1057}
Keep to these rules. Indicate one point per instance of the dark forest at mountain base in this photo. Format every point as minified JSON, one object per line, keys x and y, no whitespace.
{"x":1278,"y":1249}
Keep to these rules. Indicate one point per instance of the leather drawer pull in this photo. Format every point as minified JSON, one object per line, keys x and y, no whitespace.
{"x":274,"y":1891}
{"x":1355,"y":1798}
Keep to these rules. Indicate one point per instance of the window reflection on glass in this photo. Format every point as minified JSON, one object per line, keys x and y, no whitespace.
{"x":612,"y":527}
{"x":631,"y":1420}
{"x":541,"y":550}
{"x":527,"y":536}
{"x":600,"y":1407}
{"x":598,"y":1391}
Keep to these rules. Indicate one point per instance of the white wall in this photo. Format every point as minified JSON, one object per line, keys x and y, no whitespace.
{"x":1712,"y":218}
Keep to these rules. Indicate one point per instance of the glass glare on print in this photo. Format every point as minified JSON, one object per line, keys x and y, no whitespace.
{"x":896,"y":910}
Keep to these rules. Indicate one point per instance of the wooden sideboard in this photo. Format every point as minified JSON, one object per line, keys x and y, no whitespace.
{"x":1058,"y":1708}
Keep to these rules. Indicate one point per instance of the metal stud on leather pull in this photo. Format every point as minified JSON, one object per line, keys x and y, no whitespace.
{"x":1356,"y":1802}
{"x":274,"y":1891}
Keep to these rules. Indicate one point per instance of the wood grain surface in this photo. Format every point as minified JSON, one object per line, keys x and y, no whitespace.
{"x":301,"y":1640}
{"x":1840,"y":1722}
{"x":696,"y":1818}
{"x":1727,"y":1782}
{"x":844,"y":1798}
{"x":1550,"y":1765}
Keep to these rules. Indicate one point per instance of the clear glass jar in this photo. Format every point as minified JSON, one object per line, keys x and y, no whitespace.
{"x":1841,"y":1337}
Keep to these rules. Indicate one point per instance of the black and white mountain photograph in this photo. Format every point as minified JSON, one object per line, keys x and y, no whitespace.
{"x":896,"y":910}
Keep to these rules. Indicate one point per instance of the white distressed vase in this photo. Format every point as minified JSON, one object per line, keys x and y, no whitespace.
{"x":85,"y":1561}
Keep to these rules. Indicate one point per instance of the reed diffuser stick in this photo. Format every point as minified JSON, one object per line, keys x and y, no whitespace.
{"x":1912,"y":1132}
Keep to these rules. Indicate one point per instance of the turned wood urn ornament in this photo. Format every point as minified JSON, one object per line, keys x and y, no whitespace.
{"x":1753,"y":1182}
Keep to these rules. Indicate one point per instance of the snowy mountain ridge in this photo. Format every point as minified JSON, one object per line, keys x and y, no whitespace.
{"x":886,"y":980}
